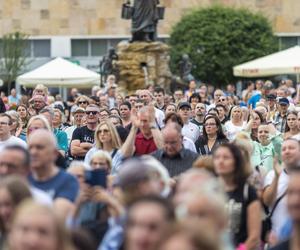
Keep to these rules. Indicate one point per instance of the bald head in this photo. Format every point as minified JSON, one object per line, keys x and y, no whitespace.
{"x":172,"y":139}
{"x":42,"y":149}
{"x":45,"y":135}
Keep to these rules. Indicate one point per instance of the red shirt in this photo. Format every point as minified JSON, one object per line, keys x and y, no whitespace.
{"x":144,"y":146}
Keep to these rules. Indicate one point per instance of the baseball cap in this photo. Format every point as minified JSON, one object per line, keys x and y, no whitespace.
{"x":284,"y":101}
{"x":184,"y":104}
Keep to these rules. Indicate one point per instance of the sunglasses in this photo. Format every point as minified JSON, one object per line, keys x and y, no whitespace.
{"x":83,"y":102}
{"x":105,"y":131}
{"x":91,"y":112}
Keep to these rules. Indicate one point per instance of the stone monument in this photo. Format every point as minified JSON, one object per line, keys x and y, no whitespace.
{"x":143,"y":60}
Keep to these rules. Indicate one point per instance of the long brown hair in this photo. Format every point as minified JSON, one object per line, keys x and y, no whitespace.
{"x":241,"y":171}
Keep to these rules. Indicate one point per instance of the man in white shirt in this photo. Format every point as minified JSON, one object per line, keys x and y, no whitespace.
{"x":189,"y":129}
{"x":6,"y":139}
{"x":276,"y":183}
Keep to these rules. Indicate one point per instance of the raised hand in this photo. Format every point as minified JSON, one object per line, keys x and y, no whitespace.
{"x":134,"y":118}
{"x":276,"y":166}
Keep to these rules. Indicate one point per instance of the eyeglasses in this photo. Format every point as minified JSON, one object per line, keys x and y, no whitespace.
{"x":104,"y":131}
{"x":91,"y":112}
{"x":210,"y":124}
{"x":83,"y":102}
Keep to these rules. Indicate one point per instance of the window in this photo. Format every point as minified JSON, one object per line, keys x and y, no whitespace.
{"x":288,"y":42}
{"x":114,"y":42}
{"x":41,"y":48}
{"x":80,"y":47}
{"x":98,"y":47}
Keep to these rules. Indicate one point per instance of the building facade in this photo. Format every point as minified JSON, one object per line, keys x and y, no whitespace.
{"x":85,"y":29}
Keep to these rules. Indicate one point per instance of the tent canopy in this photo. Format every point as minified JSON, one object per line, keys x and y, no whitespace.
{"x":280,"y":63}
{"x":60,"y":73}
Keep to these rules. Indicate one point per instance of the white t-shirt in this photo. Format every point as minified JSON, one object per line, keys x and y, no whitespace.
{"x":41,"y":197}
{"x":11,"y":141}
{"x":159,"y":116}
{"x":116,"y":160}
{"x":280,"y":215}
{"x":69,"y":131}
{"x":191,"y":130}
{"x":232,"y":130}
{"x":189,"y":144}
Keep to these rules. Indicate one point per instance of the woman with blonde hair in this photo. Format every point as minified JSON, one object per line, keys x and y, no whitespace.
{"x":44,"y":230}
{"x":82,"y":101}
{"x":101,"y":160}
{"x":235,"y":124}
{"x":37,"y":122}
{"x":107,"y":139}
{"x":40,"y":89}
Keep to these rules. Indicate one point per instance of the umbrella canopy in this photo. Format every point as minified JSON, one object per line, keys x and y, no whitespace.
{"x":283,"y":62}
{"x":60,"y":73}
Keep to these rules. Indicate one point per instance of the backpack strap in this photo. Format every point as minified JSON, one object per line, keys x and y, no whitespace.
{"x":114,"y":153}
{"x":276,"y":203}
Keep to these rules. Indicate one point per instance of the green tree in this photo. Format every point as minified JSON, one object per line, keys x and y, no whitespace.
{"x":13,"y":49}
{"x":218,"y":38}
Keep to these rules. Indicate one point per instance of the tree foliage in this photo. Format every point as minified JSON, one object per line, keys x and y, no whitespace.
{"x":218,"y":38}
{"x":13,"y":59}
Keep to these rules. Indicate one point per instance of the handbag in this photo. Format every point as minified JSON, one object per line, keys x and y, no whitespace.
{"x":267,"y":221}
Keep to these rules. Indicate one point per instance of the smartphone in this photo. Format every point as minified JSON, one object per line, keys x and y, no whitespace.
{"x":97,"y":177}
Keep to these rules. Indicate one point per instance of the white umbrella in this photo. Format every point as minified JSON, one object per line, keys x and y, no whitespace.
{"x":60,"y":73}
{"x":282,"y":62}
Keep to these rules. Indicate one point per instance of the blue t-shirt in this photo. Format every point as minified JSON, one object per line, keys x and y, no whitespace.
{"x":62,"y":185}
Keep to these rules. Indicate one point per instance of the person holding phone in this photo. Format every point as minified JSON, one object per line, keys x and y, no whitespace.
{"x":91,"y":213}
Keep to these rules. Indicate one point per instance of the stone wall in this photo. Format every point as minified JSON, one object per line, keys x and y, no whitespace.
{"x":102,"y":17}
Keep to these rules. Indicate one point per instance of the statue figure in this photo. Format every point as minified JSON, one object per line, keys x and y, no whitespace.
{"x":145,"y":15}
{"x":107,"y":64}
{"x":185,"y":68}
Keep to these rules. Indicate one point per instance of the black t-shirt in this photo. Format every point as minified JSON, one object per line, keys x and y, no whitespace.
{"x":83,"y":134}
{"x":239,"y":200}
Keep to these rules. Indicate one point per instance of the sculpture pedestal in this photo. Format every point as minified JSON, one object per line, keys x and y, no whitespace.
{"x":132,"y":58}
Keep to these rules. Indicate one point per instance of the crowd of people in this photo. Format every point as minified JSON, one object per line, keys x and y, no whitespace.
{"x":201,"y":168}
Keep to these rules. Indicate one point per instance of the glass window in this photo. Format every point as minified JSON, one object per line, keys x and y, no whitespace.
{"x":114,"y":42}
{"x":80,"y":47}
{"x":28,"y":48}
{"x":98,"y":47}
{"x":287,"y":42}
{"x":41,"y":48}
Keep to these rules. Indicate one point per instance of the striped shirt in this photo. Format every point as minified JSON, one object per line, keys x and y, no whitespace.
{"x":177,"y":164}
